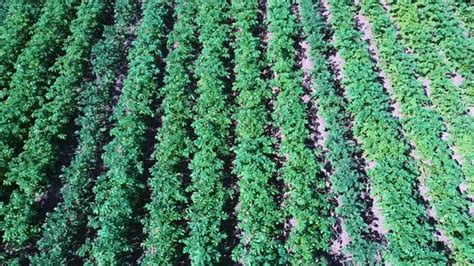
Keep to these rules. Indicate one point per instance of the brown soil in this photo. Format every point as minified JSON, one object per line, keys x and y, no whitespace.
{"x":445,"y":136}
{"x":426,"y":85}
{"x":307,"y":64}
{"x":318,"y":132}
{"x":457,"y":79}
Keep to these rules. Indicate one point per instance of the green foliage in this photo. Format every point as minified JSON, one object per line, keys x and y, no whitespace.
{"x":166,"y":225}
{"x":306,"y":204}
{"x":260,"y":219}
{"x":31,"y":170}
{"x":14,"y":34}
{"x":53,"y":73}
{"x":452,"y":40}
{"x":32,"y":77}
{"x":4,"y":7}
{"x":393,"y":178}
{"x":424,"y":127}
{"x":119,"y":191}
{"x":61,"y":236}
{"x":446,"y":98}
{"x":465,"y":11}
{"x":211,"y":126}
{"x":346,"y":179}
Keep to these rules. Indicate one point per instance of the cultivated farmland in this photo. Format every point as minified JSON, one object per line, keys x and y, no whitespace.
{"x":236,"y":132}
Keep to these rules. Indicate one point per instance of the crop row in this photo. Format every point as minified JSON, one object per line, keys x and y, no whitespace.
{"x":346,"y":178}
{"x":306,"y":205}
{"x":424,"y":127}
{"x":62,"y":237}
{"x":446,"y":98}
{"x":30,"y":171}
{"x":260,"y":220}
{"x":166,"y":227}
{"x":235,"y":174}
{"x":393,"y":178}
{"x":453,"y":41}
{"x":28,"y":86}
{"x":211,"y":126}
{"x":118,"y":192}
{"x":14,"y":34}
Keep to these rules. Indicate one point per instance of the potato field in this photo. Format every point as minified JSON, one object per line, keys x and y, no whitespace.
{"x":236,"y":132}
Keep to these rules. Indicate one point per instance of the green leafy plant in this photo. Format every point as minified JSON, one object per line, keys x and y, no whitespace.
{"x":211,"y":126}
{"x":32,"y":169}
{"x":14,"y":35}
{"x":63,"y":227}
{"x":119,"y":191}
{"x":260,"y":219}
{"x":446,"y":98}
{"x":307,"y":205}
{"x":346,"y":178}
{"x":166,"y":226}
{"x":424,"y":127}
{"x":29,"y":83}
{"x":393,"y":177}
